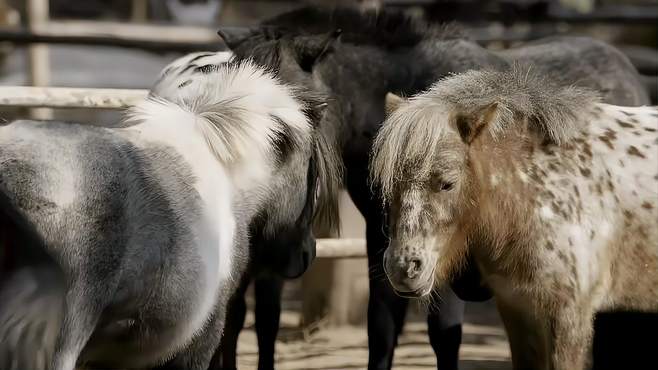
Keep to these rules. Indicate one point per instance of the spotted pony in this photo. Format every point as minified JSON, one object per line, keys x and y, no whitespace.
{"x":554,"y":195}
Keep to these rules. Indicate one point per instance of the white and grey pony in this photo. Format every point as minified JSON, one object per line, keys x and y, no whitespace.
{"x":121,"y":246}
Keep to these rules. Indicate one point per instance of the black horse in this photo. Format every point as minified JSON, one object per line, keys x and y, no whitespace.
{"x":386,"y":52}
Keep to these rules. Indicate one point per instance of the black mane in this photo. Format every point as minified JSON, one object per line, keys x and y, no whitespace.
{"x":389,"y":29}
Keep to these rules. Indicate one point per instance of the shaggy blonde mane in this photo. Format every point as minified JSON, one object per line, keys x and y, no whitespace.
{"x":413,"y":136}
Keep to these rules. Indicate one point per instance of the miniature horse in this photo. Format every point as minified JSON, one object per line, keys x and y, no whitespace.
{"x":126,"y":243}
{"x":385,"y":51}
{"x":183,"y":79}
{"x":553,"y":194}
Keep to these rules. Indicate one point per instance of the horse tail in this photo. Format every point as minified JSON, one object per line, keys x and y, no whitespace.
{"x":32,"y":291}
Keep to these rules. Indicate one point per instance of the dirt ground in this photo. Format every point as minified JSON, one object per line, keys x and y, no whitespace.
{"x":484,"y":345}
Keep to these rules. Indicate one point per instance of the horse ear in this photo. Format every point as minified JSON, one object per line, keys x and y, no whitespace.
{"x":393,"y":102}
{"x":315,"y":112}
{"x":471,"y":125}
{"x":234,"y":36}
{"x":311,"y":49}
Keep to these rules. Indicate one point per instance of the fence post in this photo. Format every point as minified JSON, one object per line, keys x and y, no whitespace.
{"x":38,"y":54}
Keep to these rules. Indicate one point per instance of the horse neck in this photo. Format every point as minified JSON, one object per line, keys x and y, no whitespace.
{"x":504,"y":194}
{"x":397,"y":70}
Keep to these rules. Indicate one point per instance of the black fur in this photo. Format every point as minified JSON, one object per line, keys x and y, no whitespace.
{"x":383,"y":29}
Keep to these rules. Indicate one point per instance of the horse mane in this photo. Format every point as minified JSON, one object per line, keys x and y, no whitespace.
{"x":412,"y":136}
{"x":330,"y":179}
{"x":233,"y":106}
{"x":554,"y":111}
{"x":384,"y":28}
{"x":241,"y":109}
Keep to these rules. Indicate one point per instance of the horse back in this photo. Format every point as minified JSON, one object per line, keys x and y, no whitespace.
{"x":585,"y":62}
{"x":119,"y":214}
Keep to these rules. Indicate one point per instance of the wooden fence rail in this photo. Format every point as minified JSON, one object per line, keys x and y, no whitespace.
{"x":64,"y":97}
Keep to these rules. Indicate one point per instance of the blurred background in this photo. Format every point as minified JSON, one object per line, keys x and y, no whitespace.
{"x":125,"y":43}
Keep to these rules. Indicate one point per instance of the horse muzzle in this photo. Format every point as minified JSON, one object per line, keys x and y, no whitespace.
{"x":410,"y":277}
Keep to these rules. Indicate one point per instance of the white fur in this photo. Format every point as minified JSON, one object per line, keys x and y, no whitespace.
{"x":225,"y":136}
{"x":178,"y":83}
{"x":165,"y":125}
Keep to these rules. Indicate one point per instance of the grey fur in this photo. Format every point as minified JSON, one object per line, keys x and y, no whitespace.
{"x":121,"y":241}
{"x":132,"y":215}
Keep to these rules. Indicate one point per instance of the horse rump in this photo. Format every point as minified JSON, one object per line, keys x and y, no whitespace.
{"x":31,"y":294}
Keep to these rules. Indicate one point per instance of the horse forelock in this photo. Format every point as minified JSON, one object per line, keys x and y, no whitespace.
{"x":329,"y":168}
{"x":407,"y":145}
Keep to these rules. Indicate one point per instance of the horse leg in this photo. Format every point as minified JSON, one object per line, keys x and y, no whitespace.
{"x":525,"y":331}
{"x":386,"y":310}
{"x":225,"y":357}
{"x":571,"y":328}
{"x":268,"y":312}
{"x":444,"y":326}
{"x":83,"y":305}
{"x":198,"y":354}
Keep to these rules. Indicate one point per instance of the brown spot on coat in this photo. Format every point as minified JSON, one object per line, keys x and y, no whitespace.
{"x":585,"y":172}
{"x":608,"y":137}
{"x":550,"y":246}
{"x":632,"y":150}
{"x":611,"y":186}
{"x":587,"y":149}
{"x":599,"y":189}
{"x":649,"y":129}
{"x":647,"y":205}
{"x":624,"y":124}
{"x":562,"y":256}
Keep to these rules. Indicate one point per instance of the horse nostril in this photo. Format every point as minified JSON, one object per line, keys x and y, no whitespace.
{"x":414,"y":269}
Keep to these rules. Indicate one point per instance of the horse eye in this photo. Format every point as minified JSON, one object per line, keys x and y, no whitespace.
{"x":439,"y":185}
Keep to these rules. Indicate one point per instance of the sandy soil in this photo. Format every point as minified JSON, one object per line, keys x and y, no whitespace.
{"x":484,"y":345}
